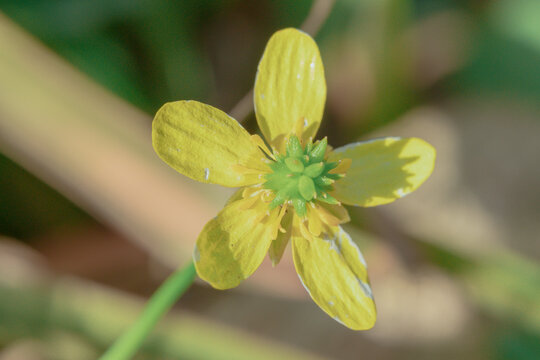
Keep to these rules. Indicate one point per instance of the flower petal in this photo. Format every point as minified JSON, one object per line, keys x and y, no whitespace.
{"x":333,"y":271}
{"x":205,"y":144}
{"x":382,"y":170}
{"x":290,"y":88}
{"x":232,"y":245}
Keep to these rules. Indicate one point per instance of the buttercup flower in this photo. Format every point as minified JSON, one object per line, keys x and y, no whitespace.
{"x":292,"y":190}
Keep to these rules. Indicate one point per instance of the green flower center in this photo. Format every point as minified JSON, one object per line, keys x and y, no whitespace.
{"x":301,"y":175}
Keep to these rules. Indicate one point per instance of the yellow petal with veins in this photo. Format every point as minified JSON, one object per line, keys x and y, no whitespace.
{"x":382,"y":170}
{"x":205,"y":144}
{"x":290,"y":88}
{"x":333,"y":271}
{"x":232,"y":245}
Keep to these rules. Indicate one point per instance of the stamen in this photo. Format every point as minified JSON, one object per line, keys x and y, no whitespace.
{"x":282,"y":213}
{"x":276,"y":220}
{"x":249,"y":191}
{"x":304,"y":231}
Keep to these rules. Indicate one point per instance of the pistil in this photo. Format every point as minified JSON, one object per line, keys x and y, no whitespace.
{"x":302,"y":175}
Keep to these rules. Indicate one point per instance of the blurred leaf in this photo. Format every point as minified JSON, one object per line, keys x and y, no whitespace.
{"x":506,"y":53}
{"x":85,"y":33}
{"x":424,"y":8}
{"x":69,"y":19}
{"x":344,"y":14}
{"x":515,"y":344}
{"x":518,"y":19}
{"x":446,"y":259}
{"x":290,"y":16}
{"x":146,"y":51}
{"x":393,"y":64}
{"x":501,"y":66}
{"x":106,"y":60}
{"x":509,"y":287}
{"x":28,"y":207}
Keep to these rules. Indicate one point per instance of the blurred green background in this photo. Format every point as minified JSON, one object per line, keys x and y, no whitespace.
{"x":91,"y":221}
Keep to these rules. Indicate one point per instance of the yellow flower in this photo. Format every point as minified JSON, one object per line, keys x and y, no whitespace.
{"x":294,"y":190}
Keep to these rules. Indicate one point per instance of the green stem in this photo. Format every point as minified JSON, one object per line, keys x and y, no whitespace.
{"x":162,"y":300}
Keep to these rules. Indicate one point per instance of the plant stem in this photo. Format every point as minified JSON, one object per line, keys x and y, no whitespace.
{"x":319,"y":12}
{"x":162,"y":300}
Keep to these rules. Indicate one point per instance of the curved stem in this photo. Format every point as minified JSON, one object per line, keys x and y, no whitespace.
{"x":162,"y":300}
{"x":319,"y":12}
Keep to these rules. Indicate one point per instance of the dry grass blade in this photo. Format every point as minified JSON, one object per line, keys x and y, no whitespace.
{"x":93,"y":148}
